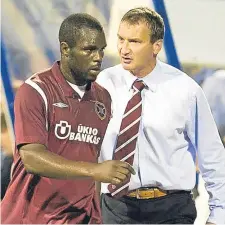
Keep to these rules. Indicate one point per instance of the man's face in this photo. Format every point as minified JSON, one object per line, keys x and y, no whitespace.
{"x":85,"y":58}
{"x":135,"y":48}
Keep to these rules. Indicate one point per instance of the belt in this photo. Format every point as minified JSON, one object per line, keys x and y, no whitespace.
{"x":147,"y":193}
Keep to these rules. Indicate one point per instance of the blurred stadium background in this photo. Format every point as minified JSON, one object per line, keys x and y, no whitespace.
{"x":29,"y":43}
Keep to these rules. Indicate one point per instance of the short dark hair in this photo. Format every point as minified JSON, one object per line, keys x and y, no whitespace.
{"x":153,"y":19}
{"x":73,"y":26}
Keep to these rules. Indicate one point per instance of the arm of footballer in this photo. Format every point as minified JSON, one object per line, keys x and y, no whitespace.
{"x":38,"y":160}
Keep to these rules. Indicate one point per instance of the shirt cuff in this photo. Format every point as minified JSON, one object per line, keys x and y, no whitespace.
{"x":217,"y":216}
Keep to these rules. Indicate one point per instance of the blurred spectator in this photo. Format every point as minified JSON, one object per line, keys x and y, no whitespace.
{"x":214,"y":88}
{"x":6,"y":144}
{"x":201,"y":74}
{"x":6,"y":156}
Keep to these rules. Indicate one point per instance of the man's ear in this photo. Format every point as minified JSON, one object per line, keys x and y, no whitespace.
{"x":64,"y":49}
{"x":157,"y":46}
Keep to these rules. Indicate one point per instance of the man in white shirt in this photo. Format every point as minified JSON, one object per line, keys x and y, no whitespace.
{"x":161,"y":120}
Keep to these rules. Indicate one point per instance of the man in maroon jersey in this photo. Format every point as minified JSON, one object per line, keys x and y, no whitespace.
{"x":61,"y":116}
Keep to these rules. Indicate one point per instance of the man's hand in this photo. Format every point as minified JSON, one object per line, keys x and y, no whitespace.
{"x":112,"y":171}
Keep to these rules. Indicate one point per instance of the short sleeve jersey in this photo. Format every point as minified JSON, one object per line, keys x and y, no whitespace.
{"x":49,"y":112}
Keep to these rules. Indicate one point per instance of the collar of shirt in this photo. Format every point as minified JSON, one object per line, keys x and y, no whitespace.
{"x":152,"y":80}
{"x":67,"y":89}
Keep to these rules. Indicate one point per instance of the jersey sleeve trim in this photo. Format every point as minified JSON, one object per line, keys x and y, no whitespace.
{"x":41,"y":92}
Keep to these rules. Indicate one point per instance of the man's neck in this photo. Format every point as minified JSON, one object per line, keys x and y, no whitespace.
{"x":145,"y":71}
{"x":69,"y":76}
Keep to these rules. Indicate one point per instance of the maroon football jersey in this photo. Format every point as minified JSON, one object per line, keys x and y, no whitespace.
{"x":48,"y":111}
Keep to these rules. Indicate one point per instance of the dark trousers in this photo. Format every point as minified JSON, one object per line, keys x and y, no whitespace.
{"x":176,"y":208}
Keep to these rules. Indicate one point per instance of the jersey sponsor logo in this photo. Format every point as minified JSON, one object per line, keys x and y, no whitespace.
{"x":60,"y":105}
{"x":62,"y":130}
{"x":83,"y":133}
{"x":100,"y":110}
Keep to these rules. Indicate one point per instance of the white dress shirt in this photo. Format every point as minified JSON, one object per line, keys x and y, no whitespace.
{"x":176,"y":123}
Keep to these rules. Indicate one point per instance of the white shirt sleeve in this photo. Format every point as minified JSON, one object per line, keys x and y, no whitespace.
{"x":204,"y":135}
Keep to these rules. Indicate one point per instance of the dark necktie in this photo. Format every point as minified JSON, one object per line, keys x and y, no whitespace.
{"x":127,"y":137}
